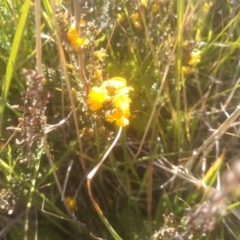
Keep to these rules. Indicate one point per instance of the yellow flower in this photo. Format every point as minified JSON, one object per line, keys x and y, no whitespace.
{"x":120,"y":118}
{"x":74,"y":39}
{"x":71,"y":202}
{"x":82,"y":42}
{"x":96,"y":97}
{"x":115,"y":92}
{"x":144,"y":3}
{"x":121,"y":112}
{"x":97,"y":73}
{"x":195,"y":57}
{"x":137,"y":24}
{"x":155,"y":8}
{"x":207,"y":6}
{"x":134,"y":17}
{"x":122,"y":101}
{"x":187,"y":70}
{"x":82,"y":22}
{"x":120,"y":18}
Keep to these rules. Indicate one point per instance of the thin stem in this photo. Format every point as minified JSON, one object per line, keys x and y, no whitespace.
{"x":89,"y":180}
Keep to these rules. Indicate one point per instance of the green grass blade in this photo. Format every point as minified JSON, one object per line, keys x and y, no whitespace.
{"x":12,"y":59}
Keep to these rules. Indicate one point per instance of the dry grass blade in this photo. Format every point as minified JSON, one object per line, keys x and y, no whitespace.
{"x":209,"y":143}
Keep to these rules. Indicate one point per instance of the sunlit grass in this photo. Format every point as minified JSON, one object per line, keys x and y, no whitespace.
{"x":178,"y":61}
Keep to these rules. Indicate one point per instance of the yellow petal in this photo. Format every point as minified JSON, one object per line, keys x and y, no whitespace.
{"x":187,"y":70}
{"x":118,"y":82}
{"x":144,"y":3}
{"x":155,"y":8}
{"x":72,"y":34}
{"x":117,"y":114}
{"x":74,"y":39}
{"x":120,"y":18}
{"x":125,"y":90}
{"x":71,"y":202}
{"x":97,"y":74}
{"x":195,"y":57}
{"x":122,"y":101}
{"x":122,"y":122}
{"x":137,"y":24}
{"x":127,"y":114}
{"x":82,"y":22}
{"x":94,"y":106}
{"x":114,"y":84}
{"x":114,"y":115}
{"x":82,"y":42}
{"x":96,"y":97}
{"x":134,"y":17}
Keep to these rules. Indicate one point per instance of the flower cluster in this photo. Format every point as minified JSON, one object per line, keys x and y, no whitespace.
{"x":114,"y":94}
{"x":195,"y":58}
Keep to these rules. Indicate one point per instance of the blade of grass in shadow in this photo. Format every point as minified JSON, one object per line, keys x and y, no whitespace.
{"x":160,"y":89}
{"x":214,"y":41}
{"x":12,"y":59}
{"x":179,"y":83}
{"x":39,"y":154}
